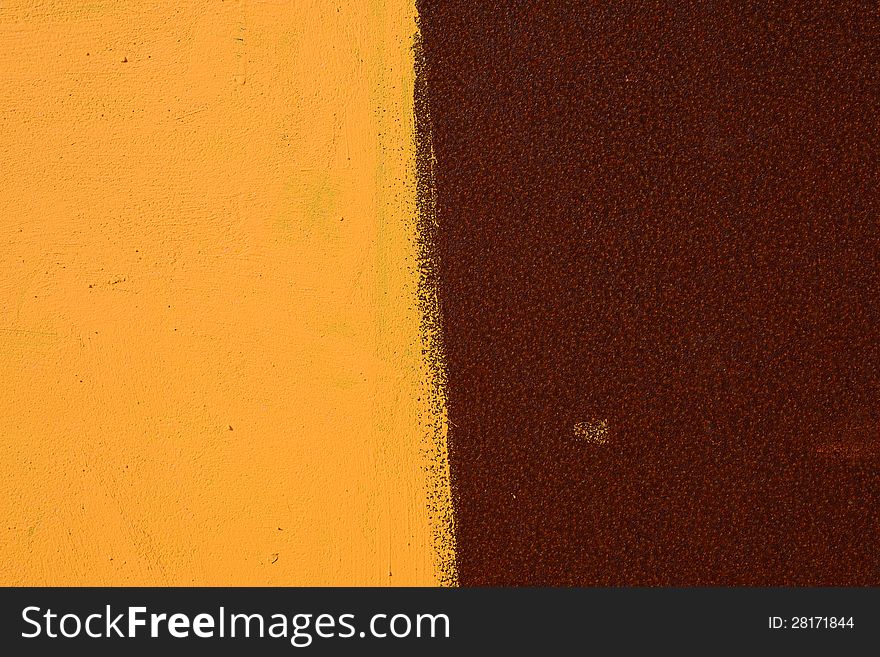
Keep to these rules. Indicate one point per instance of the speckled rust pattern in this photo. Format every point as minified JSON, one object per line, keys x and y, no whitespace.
{"x":658,"y":279}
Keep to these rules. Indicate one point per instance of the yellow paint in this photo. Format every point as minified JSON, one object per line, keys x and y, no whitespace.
{"x":593,"y":431}
{"x":209,"y":339}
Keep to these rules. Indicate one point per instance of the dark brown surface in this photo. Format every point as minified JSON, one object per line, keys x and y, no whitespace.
{"x":666,"y":218}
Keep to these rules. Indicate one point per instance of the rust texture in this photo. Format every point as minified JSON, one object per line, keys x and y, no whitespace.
{"x":657,"y":268}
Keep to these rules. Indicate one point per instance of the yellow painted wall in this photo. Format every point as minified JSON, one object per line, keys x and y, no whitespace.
{"x":210,"y":366}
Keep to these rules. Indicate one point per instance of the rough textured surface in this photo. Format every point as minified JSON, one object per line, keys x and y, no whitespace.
{"x":661,"y":220}
{"x":209,"y":335}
